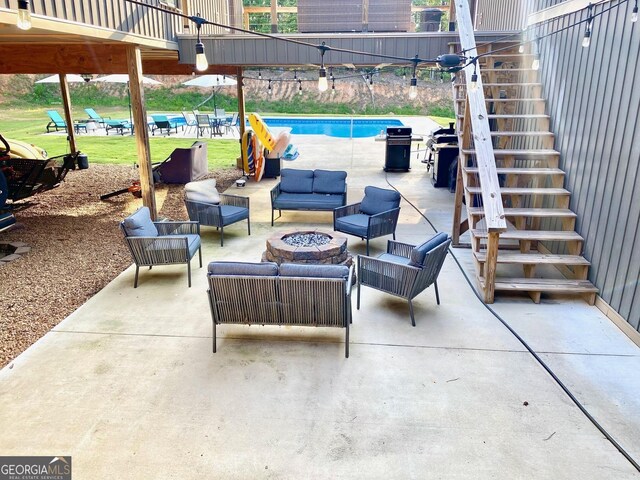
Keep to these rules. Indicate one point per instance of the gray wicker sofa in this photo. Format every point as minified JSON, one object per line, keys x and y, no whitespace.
{"x":289,"y":294}
{"x":309,"y":190}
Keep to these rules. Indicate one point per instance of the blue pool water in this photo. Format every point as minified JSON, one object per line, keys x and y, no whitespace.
{"x":334,"y":127}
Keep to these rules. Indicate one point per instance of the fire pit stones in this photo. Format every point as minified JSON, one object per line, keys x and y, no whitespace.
{"x":311,"y":247}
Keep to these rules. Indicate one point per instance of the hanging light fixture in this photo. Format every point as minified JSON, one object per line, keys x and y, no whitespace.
{"x":333,"y":87}
{"x":413,"y":84}
{"x":634,"y":13}
{"x":331,"y":74}
{"x":259,"y":75}
{"x":24,"y":15}
{"x":201,"y":58}
{"x":521,"y":49}
{"x":269,"y":90}
{"x":299,"y":87}
{"x":323,"y":85}
{"x":586,"y":40}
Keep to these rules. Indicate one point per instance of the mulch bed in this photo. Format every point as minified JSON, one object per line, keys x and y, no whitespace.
{"x":76,"y":249}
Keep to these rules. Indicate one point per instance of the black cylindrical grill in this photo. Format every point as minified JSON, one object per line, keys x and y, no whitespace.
{"x":398,"y":152}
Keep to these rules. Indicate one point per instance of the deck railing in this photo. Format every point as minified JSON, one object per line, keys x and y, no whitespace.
{"x":476,"y":128}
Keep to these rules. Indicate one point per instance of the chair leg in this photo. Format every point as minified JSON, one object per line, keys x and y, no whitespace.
{"x":394,"y":235}
{"x":200,"y":255}
{"x":435,"y":284}
{"x":413,"y":321}
{"x":358,"y":296}
{"x":248,"y":226}
{"x":346,"y":342}
{"x":189,"y":271}
{"x":222,"y":236}
{"x":135,"y":280}
{"x":367,"y":247}
{"x":214,"y":337}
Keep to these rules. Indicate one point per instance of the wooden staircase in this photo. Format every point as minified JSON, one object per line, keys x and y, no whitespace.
{"x":536,"y":204}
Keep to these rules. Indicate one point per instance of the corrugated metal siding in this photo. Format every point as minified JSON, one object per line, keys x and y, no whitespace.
{"x":213,"y":10}
{"x":505,"y":15}
{"x":595,"y":114}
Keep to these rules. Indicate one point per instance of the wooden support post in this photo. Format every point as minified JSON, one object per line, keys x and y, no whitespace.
{"x":68,"y":117}
{"x":365,"y":15}
{"x":241,"y":110}
{"x":274,"y":16}
{"x":490,"y":267}
{"x":452,"y":16}
{"x":134,"y":66}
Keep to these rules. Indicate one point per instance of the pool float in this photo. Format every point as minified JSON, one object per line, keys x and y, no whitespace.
{"x":262,"y":131}
{"x":291,"y":153}
{"x":247,"y":152}
{"x":259,"y":159}
{"x":282,"y":141}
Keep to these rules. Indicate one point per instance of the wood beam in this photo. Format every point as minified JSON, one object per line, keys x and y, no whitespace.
{"x":241,"y":107}
{"x":274,"y":16}
{"x":96,"y":58}
{"x":68,"y":117}
{"x":138,"y":110}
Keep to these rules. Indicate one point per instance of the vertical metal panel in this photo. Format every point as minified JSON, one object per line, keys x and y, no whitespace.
{"x":595,"y":116}
{"x":501,"y":15}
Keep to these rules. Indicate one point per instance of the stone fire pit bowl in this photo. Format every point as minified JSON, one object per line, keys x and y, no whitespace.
{"x":308,"y":246}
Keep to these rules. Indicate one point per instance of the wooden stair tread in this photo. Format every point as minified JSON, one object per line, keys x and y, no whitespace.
{"x":522,"y":134}
{"x":548,"y":235}
{"x":519,"y":171}
{"x":524,"y":191}
{"x":498,"y":152}
{"x":555,"y":285}
{"x":528,"y":212}
{"x":534,"y":258}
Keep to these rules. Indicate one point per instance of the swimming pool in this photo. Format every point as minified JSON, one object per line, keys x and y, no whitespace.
{"x":334,"y":127}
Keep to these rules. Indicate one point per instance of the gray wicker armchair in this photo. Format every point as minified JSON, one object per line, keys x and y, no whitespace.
{"x":405,"y":270}
{"x":160,"y":243}
{"x":376,"y":215}
{"x":231,"y":209}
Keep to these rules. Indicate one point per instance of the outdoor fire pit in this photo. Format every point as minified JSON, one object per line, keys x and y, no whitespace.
{"x":314,"y":247}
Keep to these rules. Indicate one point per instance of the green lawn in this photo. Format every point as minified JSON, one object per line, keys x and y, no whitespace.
{"x":29,"y":126}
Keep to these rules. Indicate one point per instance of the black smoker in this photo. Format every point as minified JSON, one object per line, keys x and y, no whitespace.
{"x":398,"y":154}
{"x":442,"y":155}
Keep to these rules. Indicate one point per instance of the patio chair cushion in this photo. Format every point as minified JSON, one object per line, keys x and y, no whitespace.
{"x":296,"y":181}
{"x":140,"y":225}
{"x":378,"y":200}
{"x":312,"y":201}
{"x":202,"y":191}
{"x":388,"y":257}
{"x":314,"y":271}
{"x":419,"y":253}
{"x":357,"y":224}
{"x":232,"y":214}
{"x":329,"y":182}
{"x":265,"y":269}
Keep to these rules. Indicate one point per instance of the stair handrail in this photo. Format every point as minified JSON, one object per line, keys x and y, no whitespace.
{"x":483,"y":146}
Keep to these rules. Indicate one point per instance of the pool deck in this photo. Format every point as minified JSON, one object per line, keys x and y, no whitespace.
{"x":129,"y":387}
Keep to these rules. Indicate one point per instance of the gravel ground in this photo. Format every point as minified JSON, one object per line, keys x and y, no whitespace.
{"x":76,"y":249}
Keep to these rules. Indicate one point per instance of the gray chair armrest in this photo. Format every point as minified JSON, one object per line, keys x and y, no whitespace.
{"x":399,"y":248}
{"x":166,"y":249}
{"x":390,"y":277}
{"x":383,"y":223}
{"x":178,"y":228}
{"x":235,"y":200}
{"x":346,"y":210}
{"x":275,"y":191}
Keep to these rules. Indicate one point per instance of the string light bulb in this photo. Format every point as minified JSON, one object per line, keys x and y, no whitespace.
{"x":521,"y":49}
{"x":333,"y":87}
{"x":474,"y":79}
{"x":269,"y":90}
{"x":24,"y":15}
{"x":634,"y":13}
{"x":413,"y":88}
{"x":201,"y":58}
{"x":323,"y":85}
{"x":259,"y":75}
{"x":299,"y":87}
{"x":586,"y":40}
{"x":535,"y":65}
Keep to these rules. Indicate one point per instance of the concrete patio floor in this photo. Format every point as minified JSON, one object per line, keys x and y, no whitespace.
{"x":129,"y":387}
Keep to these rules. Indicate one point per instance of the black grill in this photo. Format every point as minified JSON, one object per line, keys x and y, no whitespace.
{"x":398,"y":151}
{"x":442,"y":154}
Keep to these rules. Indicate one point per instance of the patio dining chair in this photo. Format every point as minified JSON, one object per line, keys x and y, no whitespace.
{"x":203,"y":123}
{"x":376,"y":215}
{"x":160,"y":243}
{"x":405,"y":270}
{"x":190,"y":121}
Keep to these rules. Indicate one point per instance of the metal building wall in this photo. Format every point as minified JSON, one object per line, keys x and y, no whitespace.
{"x":594,"y":103}
{"x":501,"y":15}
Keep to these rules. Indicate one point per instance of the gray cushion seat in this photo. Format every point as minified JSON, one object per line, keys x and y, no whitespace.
{"x":356,"y":224}
{"x":232,"y":214}
{"x":389,"y":257}
{"x":294,"y":201}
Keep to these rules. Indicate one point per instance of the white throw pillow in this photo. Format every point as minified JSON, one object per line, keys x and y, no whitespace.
{"x":202,"y":191}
